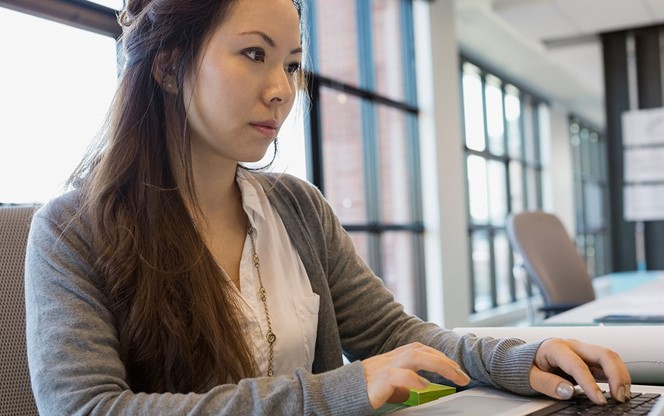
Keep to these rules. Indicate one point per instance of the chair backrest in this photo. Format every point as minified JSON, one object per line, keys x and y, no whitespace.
{"x":550,"y":257}
{"x":16,"y":397}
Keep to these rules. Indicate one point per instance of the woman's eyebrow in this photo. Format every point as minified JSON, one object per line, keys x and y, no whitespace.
{"x":269,"y":40}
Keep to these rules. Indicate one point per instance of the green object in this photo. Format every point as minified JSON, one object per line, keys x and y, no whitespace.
{"x":432,"y":392}
{"x":417,"y":396}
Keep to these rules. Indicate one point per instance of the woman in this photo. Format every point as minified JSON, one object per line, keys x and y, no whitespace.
{"x":171,"y":281}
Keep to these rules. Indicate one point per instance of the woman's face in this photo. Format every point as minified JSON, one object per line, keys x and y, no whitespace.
{"x":242,"y":87}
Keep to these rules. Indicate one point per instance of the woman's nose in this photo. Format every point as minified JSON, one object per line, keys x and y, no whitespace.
{"x":280,"y":88}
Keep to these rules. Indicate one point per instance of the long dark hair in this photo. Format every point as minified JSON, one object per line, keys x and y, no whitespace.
{"x":177,"y":317}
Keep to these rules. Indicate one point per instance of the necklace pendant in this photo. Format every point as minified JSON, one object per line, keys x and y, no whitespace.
{"x":262,"y":293}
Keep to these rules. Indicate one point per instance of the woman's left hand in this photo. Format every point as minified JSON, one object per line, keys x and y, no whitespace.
{"x":584,"y":363}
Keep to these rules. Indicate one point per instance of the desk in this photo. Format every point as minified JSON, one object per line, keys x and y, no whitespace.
{"x":486,"y":400}
{"x":631,"y":293}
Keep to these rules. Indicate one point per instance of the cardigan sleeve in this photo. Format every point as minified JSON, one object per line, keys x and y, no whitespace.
{"x":72,"y":345}
{"x":371,"y":322}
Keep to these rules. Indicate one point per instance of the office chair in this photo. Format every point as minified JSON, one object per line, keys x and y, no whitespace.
{"x":551,"y":260}
{"x":16,"y":397}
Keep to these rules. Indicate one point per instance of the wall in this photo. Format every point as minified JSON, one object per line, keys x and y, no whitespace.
{"x":560,"y":178}
{"x":443,"y":179}
{"x":443,"y":176}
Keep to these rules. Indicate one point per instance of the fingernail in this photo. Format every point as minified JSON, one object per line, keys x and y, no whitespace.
{"x":460,"y":371}
{"x":628,"y":392}
{"x":565,"y":391}
{"x":620,"y":396}
{"x":600,"y":396}
{"x":424,"y":382}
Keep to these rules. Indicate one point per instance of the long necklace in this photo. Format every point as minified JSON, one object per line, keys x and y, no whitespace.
{"x":271,"y":338}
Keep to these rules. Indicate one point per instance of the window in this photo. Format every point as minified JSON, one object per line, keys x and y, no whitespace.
{"x":57,"y":84}
{"x":364,"y":140}
{"x":591,"y":195}
{"x":113,"y":4}
{"x":504,"y":174}
{"x":359,"y":144}
{"x":70,"y":99}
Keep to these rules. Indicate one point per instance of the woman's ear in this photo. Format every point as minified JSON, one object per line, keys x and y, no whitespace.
{"x":163,"y":71}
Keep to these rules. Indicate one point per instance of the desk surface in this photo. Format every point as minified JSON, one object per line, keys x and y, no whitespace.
{"x":633,"y":293}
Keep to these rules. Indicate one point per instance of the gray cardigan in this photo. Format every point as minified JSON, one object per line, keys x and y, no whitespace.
{"x":73,"y":345}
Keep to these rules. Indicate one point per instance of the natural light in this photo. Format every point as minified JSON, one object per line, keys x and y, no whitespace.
{"x":57,"y":84}
{"x":56,"y":89}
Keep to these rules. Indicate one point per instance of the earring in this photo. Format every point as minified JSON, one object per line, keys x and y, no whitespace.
{"x":170,"y":84}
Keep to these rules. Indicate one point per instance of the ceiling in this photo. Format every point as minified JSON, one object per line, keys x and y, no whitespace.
{"x":551,"y":46}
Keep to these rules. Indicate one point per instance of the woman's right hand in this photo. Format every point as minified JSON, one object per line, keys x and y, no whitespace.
{"x":389,"y":376}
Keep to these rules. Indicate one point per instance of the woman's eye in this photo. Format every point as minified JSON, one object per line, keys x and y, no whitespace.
{"x":255,"y":55}
{"x":293,"y":67}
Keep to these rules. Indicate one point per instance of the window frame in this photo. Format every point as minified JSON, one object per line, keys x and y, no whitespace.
{"x":374,"y":227}
{"x":534,"y":167}
{"x":100,"y":19}
{"x":587,"y":169}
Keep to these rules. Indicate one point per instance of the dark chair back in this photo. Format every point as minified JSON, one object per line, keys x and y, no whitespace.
{"x":16,"y":397}
{"x":551,"y":260}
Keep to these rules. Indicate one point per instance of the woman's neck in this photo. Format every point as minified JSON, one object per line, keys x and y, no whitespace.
{"x":215,"y":189}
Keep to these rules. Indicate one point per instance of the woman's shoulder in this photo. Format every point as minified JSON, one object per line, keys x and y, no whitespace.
{"x":59,"y":226}
{"x":62,"y":216}
{"x":284,"y":183}
{"x":61,"y":208}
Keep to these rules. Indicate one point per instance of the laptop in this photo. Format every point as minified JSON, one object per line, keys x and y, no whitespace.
{"x":486,"y":401}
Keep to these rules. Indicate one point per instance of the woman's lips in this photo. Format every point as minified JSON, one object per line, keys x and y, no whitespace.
{"x":267,"y":129}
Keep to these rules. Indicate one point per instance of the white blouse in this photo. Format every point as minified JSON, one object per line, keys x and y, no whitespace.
{"x":292,"y":304}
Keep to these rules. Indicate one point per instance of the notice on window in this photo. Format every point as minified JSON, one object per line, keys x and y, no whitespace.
{"x":643,"y":153}
{"x":643,"y":127}
{"x":644,"y":164}
{"x":643,"y":202}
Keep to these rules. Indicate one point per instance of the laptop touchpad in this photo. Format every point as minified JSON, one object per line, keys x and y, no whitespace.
{"x":468,"y":405}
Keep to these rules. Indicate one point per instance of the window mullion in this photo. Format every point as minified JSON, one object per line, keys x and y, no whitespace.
{"x":82,"y":15}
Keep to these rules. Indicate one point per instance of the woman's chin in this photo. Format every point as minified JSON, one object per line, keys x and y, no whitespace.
{"x":256,"y":162}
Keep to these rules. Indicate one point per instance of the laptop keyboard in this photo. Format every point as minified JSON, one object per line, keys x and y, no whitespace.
{"x":640,"y":404}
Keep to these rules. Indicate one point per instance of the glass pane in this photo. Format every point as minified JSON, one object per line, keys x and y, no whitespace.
{"x":603,"y":161}
{"x":578,"y":205}
{"x":595,"y":155}
{"x":585,"y":151}
{"x":581,"y":242}
{"x":602,"y":255}
{"x":521,"y":279}
{"x":477,"y":189}
{"x":594,"y":205}
{"x":113,"y":4}
{"x":497,"y":192}
{"x":532,"y":189}
{"x":394,"y":168}
{"x":387,"y":39}
{"x":56,"y":85}
{"x":529,"y":129}
{"x":398,"y":267}
{"x":575,"y":141}
{"x":516,"y":186}
{"x":337,"y":40}
{"x":501,"y":250}
{"x":513,"y":117}
{"x":590,"y":254}
{"x":291,"y":151}
{"x":473,"y":108}
{"x":343,"y":155}
{"x":494,"y":116}
{"x":481,"y":257}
